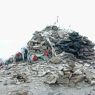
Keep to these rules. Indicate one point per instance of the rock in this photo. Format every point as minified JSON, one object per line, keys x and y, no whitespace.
{"x":13,"y":81}
{"x":63,"y":77}
{"x":23,"y":93}
{"x":76,"y":79}
{"x":18,"y":93}
{"x":40,"y":74}
{"x":5,"y":82}
{"x":51,"y":79}
{"x":55,"y":60}
{"x":78,"y":87}
{"x":30,"y":93}
{"x":71,"y":63}
{"x":63,"y":34}
{"x":87,"y":65}
{"x":78,"y":65}
{"x":92,"y":82}
{"x":89,"y":75}
{"x":67,"y":56}
{"x":67,"y":74}
{"x":90,"y":78}
{"x":51,"y":93}
{"x":18,"y":82}
{"x":61,"y":73}
{"x":62,"y":80}
{"x":78,"y":72}
{"x":21,"y":77}
{"x":67,"y":68}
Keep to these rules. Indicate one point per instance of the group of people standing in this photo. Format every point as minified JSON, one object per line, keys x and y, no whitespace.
{"x":25,"y":55}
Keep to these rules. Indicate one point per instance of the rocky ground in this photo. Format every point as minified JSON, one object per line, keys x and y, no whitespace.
{"x":35,"y":79}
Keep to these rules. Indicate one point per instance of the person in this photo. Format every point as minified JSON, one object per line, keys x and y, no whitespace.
{"x":24,"y":52}
{"x":29,"y":57}
{"x":46,"y":53}
{"x":18,"y":57}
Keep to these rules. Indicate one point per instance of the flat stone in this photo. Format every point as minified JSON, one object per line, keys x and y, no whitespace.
{"x":5,"y":82}
{"x":55,"y":60}
{"x":77,"y":79}
{"x":92,"y":82}
{"x":62,"y":80}
{"x":78,"y":72}
{"x":51,"y":79}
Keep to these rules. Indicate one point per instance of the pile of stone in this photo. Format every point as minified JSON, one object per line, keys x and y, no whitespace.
{"x":78,"y":45}
{"x":58,"y":40}
{"x":71,"y":62}
{"x":72,"y":56}
{"x":66,"y":62}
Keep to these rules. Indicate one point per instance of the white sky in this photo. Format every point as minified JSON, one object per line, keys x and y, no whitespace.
{"x":20,"y":18}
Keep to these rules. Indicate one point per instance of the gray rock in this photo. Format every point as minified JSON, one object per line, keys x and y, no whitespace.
{"x":77,"y":79}
{"x":92,"y":82}
{"x":51,"y":79}
{"x":5,"y":82}
{"x":78,"y":72}
{"x":13,"y":81}
{"x":55,"y":60}
{"x":62,"y":80}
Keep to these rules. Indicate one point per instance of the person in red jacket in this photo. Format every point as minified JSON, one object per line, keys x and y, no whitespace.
{"x":46,"y":53}
{"x":18,"y":57}
{"x":34,"y":58}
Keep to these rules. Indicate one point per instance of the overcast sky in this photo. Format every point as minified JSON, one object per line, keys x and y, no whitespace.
{"x":20,"y":18}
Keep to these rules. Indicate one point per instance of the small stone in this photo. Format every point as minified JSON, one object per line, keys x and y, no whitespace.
{"x":93,"y":89}
{"x":62,"y":80}
{"x":59,"y":93}
{"x":61,"y":73}
{"x":5,"y":82}
{"x":55,"y":60}
{"x":21,"y":93}
{"x":50,"y":93}
{"x":17,"y":83}
{"x":12,"y":81}
{"x":77,"y":79}
{"x":78,"y":87}
{"x":92,"y":82}
{"x":78,"y":72}
{"x":9,"y":93}
{"x":71,"y":63}
{"x":51,"y":79}
{"x":86,"y":65}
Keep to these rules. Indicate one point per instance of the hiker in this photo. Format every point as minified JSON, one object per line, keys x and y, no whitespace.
{"x":47,"y":52}
{"x":18,"y":57}
{"x":24,"y":52}
{"x":29,"y":57}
